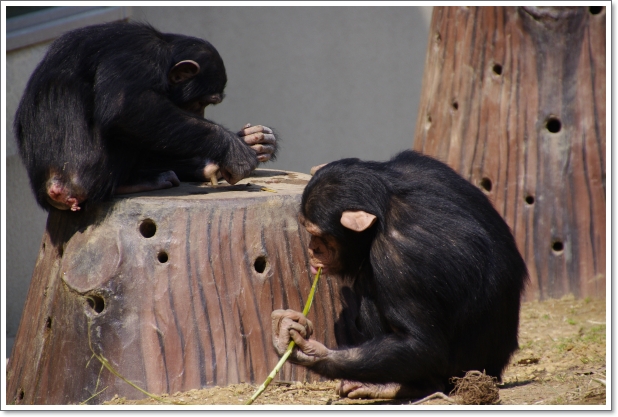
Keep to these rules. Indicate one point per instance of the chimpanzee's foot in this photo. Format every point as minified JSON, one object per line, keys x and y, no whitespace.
{"x":355,"y":389}
{"x":315,"y":169}
{"x":164,"y":180}
{"x":211,"y":173}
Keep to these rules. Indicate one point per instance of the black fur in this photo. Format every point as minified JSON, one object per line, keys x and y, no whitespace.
{"x":99,"y":111}
{"x":437,"y":280}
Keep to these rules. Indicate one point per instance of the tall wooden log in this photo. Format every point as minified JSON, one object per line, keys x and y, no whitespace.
{"x":514,"y":99}
{"x":174,"y":288}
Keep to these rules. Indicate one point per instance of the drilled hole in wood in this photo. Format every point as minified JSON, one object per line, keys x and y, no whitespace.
{"x":553,"y":124}
{"x":557,"y":247}
{"x":96,"y":302}
{"x":529,"y":200}
{"x":438,"y":37}
{"x":455,"y":105}
{"x":260,"y":264}
{"x":497,"y":68}
{"x":486,"y":184}
{"x":20,"y":394}
{"x":162,"y":257}
{"x":595,"y":9}
{"x":148,"y":228}
{"x":48,"y":323}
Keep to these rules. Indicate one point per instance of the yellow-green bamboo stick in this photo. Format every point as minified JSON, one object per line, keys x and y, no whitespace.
{"x":288,"y":352}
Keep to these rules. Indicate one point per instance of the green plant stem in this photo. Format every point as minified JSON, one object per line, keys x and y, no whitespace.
{"x":290,"y":348}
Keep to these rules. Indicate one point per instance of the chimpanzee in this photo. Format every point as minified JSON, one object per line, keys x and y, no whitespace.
{"x":119,"y":108}
{"x":434,"y":270}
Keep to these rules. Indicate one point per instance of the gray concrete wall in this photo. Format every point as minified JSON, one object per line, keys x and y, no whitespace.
{"x":334,"y":81}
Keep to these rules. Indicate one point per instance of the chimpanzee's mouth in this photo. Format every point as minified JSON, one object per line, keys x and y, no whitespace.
{"x":314,"y":269}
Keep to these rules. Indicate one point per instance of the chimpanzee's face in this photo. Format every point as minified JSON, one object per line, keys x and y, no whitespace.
{"x":198,"y":105}
{"x":324,"y":250}
{"x":195,"y":84}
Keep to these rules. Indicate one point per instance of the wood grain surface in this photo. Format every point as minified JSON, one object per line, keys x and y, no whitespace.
{"x":514,"y":99}
{"x":177,"y":287}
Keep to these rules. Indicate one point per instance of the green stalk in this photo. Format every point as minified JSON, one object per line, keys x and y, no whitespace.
{"x":288,"y":352}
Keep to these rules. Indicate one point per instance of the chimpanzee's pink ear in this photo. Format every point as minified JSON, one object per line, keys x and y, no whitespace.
{"x":357,"y":220}
{"x":183,"y":71}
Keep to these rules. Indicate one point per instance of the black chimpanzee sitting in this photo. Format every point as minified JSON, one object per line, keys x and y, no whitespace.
{"x":434,"y":269}
{"x":119,"y":108}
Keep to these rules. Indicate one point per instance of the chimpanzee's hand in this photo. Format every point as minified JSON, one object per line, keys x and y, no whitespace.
{"x":291,"y":325}
{"x":261,"y":139}
{"x":282,"y":322}
{"x":240,"y":160}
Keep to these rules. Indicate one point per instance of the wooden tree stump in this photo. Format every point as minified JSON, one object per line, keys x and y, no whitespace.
{"x":514,"y":99}
{"x":176,"y":286}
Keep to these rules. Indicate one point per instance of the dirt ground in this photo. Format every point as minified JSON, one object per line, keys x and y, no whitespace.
{"x":561,"y":361}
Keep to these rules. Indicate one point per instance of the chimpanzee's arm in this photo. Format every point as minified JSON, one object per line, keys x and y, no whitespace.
{"x":389,"y":358}
{"x":395,"y":357}
{"x":150,"y":121}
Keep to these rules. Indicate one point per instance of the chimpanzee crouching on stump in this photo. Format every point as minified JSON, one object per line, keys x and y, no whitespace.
{"x":118,"y":108}
{"x":434,"y":270}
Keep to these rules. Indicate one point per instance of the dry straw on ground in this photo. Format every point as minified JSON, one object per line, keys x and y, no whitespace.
{"x":475,"y":388}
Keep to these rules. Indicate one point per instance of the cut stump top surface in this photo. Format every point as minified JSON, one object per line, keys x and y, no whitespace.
{"x":283,"y":182}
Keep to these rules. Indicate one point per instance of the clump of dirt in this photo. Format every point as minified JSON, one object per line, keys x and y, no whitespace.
{"x":561,"y":360}
{"x":475,"y":388}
